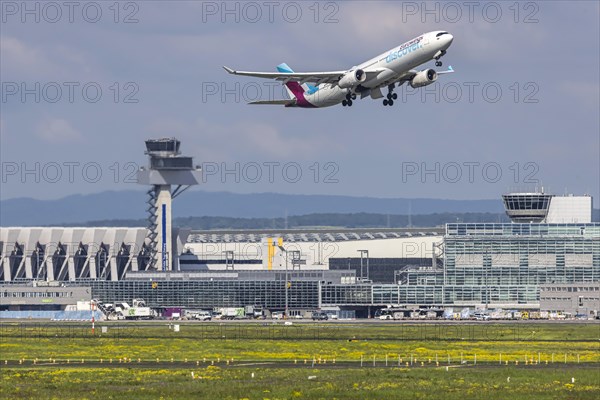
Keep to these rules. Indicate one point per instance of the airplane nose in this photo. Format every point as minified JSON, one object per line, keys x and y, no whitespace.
{"x":449,"y":38}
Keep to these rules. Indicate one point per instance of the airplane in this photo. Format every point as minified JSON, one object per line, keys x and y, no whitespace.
{"x":388,"y":70}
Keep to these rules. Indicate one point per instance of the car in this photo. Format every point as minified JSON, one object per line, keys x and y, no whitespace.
{"x":385,"y":317}
{"x":319,"y":316}
{"x":202,"y":315}
{"x":277,"y":315}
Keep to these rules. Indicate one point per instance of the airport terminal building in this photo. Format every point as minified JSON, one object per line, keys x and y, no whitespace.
{"x":495,"y":265}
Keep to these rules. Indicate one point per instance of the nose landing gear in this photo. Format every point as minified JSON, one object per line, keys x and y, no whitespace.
{"x":438,"y":63}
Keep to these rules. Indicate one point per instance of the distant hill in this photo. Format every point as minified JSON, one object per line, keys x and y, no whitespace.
{"x":358,"y":220}
{"x":123,"y":205}
{"x":194,"y":205}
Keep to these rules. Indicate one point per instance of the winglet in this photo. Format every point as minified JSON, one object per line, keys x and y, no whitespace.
{"x":229,"y":70}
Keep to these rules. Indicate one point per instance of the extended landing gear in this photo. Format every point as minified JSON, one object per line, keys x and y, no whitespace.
{"x":391,"y":96}
{"x":349,"y":98}
{"x":438,"y":63}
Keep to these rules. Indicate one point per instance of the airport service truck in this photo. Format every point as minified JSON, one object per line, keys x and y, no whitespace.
{"x":121,"y":311}
{"x":232,"y":312}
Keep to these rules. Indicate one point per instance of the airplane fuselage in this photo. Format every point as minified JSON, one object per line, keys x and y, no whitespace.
{"x":383,"y":70}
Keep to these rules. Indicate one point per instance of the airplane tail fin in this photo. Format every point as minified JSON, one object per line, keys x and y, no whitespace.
{"x":294,"y":89}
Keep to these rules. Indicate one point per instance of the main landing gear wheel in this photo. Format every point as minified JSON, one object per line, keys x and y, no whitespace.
{"x":391,"y":96}
{"x":349,"y":98}
{"x":390,"y":99}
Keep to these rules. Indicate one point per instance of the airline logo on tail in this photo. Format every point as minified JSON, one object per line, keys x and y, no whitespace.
{"x":294,"y":89}
{"x":283,"y":67}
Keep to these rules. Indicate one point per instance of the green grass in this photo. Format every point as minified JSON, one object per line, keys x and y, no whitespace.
{"x":255,"y":342}
{"x":28,"y":369}
{"x":277,"y":383}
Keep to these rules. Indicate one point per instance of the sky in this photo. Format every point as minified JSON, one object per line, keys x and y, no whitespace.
{"x":85,"y":83}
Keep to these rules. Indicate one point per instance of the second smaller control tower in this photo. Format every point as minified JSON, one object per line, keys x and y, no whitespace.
{"x":167,"y":168}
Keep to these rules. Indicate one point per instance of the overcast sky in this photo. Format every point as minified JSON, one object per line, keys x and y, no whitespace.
{"x":521,"y":110}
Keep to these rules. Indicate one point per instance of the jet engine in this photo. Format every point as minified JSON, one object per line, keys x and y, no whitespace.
{"x":424,"y":78}
{"x":352,"y":78}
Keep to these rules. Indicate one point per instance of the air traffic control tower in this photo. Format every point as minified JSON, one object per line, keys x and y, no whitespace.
{"x":167,"y":168}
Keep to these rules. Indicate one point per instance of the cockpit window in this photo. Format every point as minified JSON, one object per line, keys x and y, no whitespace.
{"x":441,"y":33}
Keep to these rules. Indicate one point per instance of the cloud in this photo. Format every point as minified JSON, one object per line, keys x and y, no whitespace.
{"x":171,"y":53}
{"x":18,"y":56}
{"x":57,"y":130}
{"x":22,"y":60}
{"x":241,"y":140}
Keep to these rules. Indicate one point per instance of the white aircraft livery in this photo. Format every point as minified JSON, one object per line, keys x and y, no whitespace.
{"x":394,"y":67}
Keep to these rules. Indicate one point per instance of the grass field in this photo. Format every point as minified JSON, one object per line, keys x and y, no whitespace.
{"x":255,"y":361}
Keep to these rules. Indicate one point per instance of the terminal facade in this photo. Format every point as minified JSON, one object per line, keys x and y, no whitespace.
{"x":487,"y":265}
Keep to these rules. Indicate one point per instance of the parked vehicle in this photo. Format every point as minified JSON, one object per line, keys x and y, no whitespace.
{"x":200,"y":315}
{"x":254,"y":312}
{"x":277,"y":315}
{"x":319,"y":316}
{"x":123,"y":310}
{"x":233,"y":313}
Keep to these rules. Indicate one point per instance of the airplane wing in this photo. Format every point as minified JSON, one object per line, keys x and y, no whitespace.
{"x":301,"y":77}
{"x":283,"y":102}
{"x":375,"y":92}
{"x":407,"y":76}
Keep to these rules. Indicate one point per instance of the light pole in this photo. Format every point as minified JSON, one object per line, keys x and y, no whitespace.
{"x":296,"y":261}
{"x":487,"y":260}
{"x":286,"y":280}
{"x":287,"y":284}
{"x":363,"y":253}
